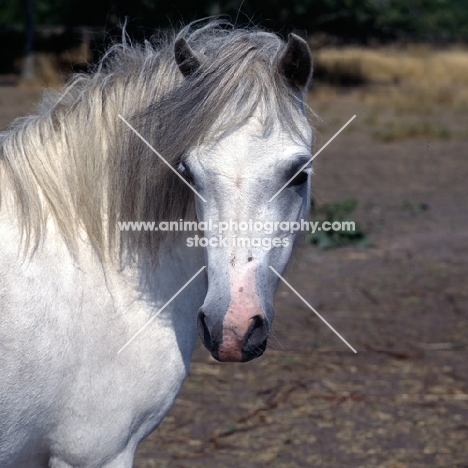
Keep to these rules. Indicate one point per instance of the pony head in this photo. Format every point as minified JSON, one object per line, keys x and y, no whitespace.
{"x":238,"y":172}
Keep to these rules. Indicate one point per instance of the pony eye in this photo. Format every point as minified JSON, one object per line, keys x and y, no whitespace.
{"x":185,"y":171}
{"x":299,"y":179}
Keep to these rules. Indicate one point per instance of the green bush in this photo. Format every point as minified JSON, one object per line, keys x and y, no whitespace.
{"x":338,"y":211}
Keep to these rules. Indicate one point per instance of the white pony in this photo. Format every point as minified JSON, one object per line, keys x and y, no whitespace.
{"x":224,"y":107}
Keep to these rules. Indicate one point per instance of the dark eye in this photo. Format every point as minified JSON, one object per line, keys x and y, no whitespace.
{"x":299,"y":179}
{"x":186,"y":173}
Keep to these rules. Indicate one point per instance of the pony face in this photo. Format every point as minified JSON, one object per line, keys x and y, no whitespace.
{"x":256,"y":183}
{"x":248,"y":231}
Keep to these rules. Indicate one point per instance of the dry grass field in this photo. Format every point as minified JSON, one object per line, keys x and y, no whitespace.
{"x":411,"y":92}
{"x":402,"y":301}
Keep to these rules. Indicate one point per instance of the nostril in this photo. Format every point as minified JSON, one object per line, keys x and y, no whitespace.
{"x":256,"y":333}
{"x":257,"y":322}
{"x":203,"y":330}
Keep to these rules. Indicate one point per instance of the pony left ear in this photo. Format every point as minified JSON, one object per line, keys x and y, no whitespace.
{"x":187,"y":59}
{"x":295,"y":63}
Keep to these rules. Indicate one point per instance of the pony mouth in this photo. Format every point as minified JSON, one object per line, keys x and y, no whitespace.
{"x":254,"y":353}
{"x":246,"y":355}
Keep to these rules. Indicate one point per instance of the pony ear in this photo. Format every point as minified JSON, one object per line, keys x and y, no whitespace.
{"x":187,"y":59}
{"x":295,"y":63}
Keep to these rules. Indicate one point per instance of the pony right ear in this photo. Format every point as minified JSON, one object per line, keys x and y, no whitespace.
{"x":187,"y":59}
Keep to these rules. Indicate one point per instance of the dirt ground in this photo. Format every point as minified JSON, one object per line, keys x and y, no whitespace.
{"x":402,"y":302}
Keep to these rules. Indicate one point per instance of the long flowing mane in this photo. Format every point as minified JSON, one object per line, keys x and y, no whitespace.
{"x":75,"y":162}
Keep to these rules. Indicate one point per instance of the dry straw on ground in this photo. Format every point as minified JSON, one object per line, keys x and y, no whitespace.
{"x":413,"y":75}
